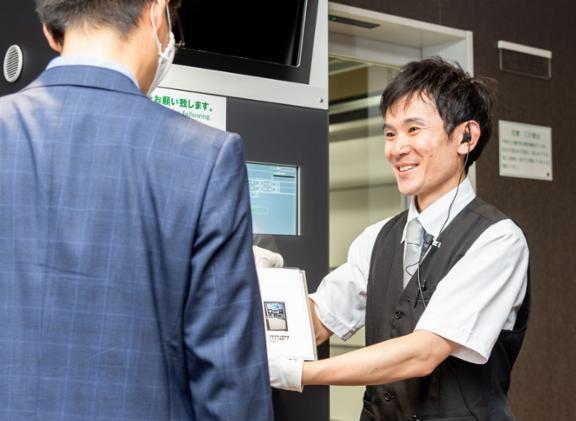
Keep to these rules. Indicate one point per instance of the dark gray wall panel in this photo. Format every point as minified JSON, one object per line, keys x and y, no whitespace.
{"x":289,"y":135}
{"x":20,"y":25}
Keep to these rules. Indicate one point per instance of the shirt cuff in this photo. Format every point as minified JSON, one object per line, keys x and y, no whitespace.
{"x":328,"y":319}
{"x":473,"y":348}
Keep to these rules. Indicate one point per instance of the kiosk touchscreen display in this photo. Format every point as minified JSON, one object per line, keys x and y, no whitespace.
{"x":274,"y":198}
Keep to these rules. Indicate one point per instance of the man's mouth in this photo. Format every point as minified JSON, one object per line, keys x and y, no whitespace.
{"x":405,"y":168}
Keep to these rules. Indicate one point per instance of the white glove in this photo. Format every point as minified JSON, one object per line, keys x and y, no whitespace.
{"x":285,"y":373}
{"x":265,"y":258}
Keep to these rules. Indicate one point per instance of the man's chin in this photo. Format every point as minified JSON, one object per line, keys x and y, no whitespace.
{"x":405,"y":189}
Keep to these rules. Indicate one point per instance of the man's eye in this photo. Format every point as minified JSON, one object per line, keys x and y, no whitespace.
{"x":413,"y":129}
{"x":388,"y":135}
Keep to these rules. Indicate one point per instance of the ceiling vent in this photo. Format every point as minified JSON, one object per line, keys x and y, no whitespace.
{"x":525,"y":60}
{"x":13,"y":63}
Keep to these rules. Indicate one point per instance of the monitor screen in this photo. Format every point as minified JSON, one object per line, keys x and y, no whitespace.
{"x":265,"y":39}
{"x":263,"y":30}
{"x":274,"y":191}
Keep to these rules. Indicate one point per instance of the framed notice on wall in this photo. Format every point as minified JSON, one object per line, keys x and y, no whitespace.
{"x":525,"y":150}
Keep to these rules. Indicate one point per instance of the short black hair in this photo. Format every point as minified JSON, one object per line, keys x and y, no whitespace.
{"x":122,"y":15}
{"x":458,"y":97}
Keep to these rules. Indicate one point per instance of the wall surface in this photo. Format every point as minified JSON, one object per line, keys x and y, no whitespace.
{"x":19,"y":25}
{"x":545,"y":375}
{"x":283,"y":134}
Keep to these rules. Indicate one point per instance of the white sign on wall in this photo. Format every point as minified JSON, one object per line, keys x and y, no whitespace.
{"x":525,"y":150}
{"x":208,"y":109}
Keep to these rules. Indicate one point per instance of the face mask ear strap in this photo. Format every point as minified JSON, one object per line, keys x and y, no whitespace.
{"x":169,"y":17}
{"x":157,"y":38}
{"x":167,"y":53}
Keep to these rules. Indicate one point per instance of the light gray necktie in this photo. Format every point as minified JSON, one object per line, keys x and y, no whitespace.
{"x":412,"y":249}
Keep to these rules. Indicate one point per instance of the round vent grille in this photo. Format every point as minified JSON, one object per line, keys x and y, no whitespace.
{"x":13,"y":62}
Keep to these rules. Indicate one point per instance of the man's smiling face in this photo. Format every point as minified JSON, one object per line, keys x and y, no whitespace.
{"x":424,"y":158}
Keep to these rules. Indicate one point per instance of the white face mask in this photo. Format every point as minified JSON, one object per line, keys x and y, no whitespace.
{"x":166,"y":57}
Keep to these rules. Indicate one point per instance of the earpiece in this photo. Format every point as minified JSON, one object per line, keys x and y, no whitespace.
{"x":466,"y":137}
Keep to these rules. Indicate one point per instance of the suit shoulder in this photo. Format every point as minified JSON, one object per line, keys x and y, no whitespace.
{"x":183,"y":126}
{"x":8,"y":100}
{"x":13,"y":104}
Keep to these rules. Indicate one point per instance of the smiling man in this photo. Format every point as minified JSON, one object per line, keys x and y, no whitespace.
{"x":442,"y":287}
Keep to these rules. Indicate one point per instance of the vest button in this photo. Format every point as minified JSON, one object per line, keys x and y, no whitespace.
{"x":415,"y":418}
{"x":397,"y":315}
{"x":388,"y":397}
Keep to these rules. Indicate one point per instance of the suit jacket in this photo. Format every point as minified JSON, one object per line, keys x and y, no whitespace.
{"x":127,"y":283}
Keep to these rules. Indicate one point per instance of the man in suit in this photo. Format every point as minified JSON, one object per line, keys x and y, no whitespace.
{"x":127,"y":282}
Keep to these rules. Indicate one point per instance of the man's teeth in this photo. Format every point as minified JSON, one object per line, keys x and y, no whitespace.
{"x":406,"y":168}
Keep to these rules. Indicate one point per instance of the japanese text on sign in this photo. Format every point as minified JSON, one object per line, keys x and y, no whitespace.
{"x":525,"y":150}
{"x":208,"y":109}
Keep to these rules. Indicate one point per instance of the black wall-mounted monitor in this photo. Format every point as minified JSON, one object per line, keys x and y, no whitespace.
{"x":271,"y":39}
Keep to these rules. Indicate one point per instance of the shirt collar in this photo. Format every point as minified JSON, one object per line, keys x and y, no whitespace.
{"x":78,"y":60}
{"x":434,"y":216}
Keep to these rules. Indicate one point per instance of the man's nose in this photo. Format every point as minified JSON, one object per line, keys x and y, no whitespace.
{"x":402,"y":145}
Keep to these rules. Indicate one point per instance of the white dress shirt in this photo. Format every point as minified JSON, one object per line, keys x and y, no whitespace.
{"x":472,"y":304}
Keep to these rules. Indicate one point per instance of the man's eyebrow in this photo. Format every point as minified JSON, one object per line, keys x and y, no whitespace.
{"x":414,"y":120}
{"x":406,"y":122}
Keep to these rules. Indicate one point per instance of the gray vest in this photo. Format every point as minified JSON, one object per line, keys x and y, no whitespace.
{"x":456,"y":390}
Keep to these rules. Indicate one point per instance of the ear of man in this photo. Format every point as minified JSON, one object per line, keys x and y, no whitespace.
{"x":467,"y":134}
{"x":55,"y":45}
{"x":157,"y":11}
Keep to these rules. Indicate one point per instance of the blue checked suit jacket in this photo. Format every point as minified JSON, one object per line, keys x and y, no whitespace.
{"x":127,"y":282}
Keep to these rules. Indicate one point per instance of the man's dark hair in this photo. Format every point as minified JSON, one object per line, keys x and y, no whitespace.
{"x":122,"y":15}
{"x":458,"y":96}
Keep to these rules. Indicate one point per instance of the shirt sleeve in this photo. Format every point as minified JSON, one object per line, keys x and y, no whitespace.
{"x":481,"y":294}
{"x":341,"y":296}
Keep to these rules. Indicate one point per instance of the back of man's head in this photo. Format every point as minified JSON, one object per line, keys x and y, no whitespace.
{"x":120,"y":15}
{"x":458,"y":97}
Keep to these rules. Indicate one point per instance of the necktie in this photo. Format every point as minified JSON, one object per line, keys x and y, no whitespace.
{"x":412,"y":249}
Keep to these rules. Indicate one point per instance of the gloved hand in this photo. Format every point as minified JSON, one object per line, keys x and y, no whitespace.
{"x":267,"y":259}
{"x":285,"y":373}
